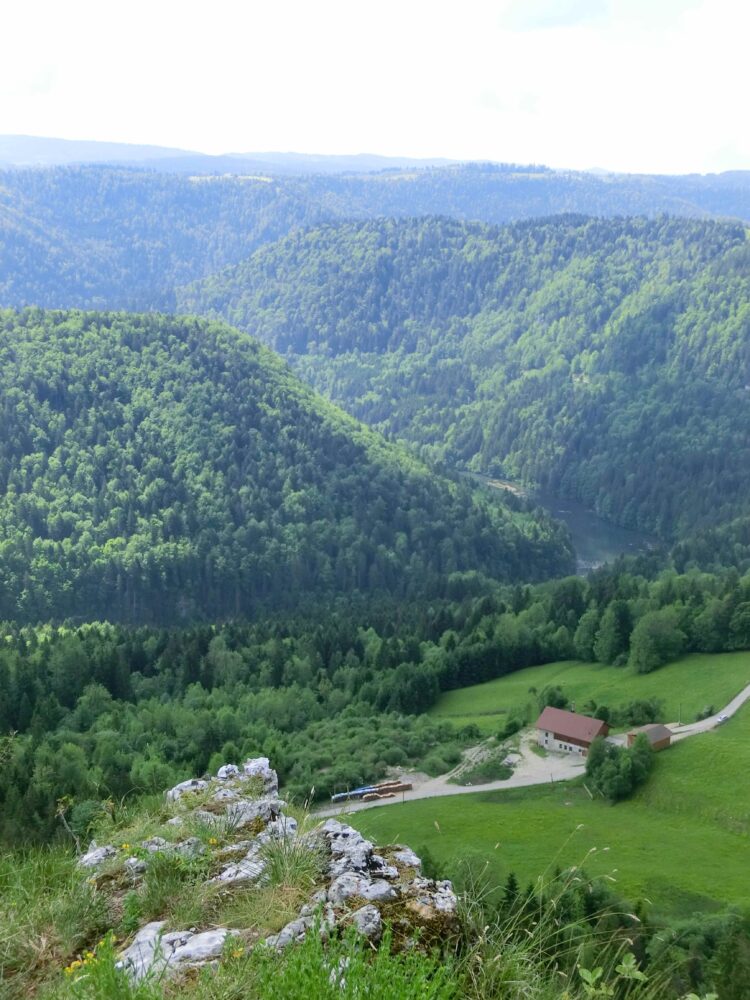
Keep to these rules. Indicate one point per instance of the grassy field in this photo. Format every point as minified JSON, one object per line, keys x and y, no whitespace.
{"x":686,"y":686}
{"x":682,"y":842}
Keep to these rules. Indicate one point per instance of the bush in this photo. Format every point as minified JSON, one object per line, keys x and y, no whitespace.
{"x":434,"y":764}
{"x":512,"y":726}
{"x":615,"y":772}
{"x":552,"y":695}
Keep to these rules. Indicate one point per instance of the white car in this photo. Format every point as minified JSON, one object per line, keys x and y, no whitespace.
{"x":721,"y":718}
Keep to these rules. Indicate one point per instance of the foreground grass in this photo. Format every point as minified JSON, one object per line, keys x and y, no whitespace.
{"x":686,"y":686}
{"x":48,"y":914}
{"x":682,"y":842}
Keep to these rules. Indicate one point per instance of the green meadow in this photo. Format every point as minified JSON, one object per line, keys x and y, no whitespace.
{"x":686,"y":686}
{"x":683,"y":842}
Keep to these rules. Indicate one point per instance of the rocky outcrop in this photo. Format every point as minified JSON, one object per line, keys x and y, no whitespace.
{"x":154,"y":951}
{"x":358,"y":886}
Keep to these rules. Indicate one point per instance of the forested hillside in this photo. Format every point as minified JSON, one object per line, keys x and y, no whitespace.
{"x":108,"y":238}
{"x":606,"y":360}
{"x":154,"y":469}
{"x":95,"y":237}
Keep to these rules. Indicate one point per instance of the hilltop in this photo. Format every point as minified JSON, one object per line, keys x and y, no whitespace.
{"x":159,"y":469}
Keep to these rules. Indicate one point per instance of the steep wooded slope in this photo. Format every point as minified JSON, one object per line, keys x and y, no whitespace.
{"x":604,"y":359}
{"x":154,"y":468}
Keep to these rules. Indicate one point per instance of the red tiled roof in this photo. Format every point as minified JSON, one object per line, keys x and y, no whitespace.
{"x":572,"y":725}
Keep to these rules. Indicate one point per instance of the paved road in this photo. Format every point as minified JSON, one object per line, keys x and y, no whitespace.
{"x":532,"y":770}
{"x":693,"y":728}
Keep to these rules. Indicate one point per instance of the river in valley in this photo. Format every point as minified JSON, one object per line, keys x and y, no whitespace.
{"x":596,"y":541}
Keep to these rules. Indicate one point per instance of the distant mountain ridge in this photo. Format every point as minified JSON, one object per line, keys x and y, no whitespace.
{"x":99,"y":237}
{"x":39,"y":151}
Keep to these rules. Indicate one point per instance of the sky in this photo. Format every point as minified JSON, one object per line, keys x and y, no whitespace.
{"x":628,"y":85}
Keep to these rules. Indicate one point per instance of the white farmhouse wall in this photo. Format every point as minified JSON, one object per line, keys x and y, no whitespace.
{"x":549,"y":742}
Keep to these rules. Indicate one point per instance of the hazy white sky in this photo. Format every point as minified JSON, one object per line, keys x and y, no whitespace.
{"x":636,"y":85}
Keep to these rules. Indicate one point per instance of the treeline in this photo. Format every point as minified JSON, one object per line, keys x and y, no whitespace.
{"x":604,"y":360}
{"x":164,"y":470}
{"x":104,"y":710}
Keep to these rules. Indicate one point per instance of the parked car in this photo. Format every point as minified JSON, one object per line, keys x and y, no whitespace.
{"x":721,"y":718}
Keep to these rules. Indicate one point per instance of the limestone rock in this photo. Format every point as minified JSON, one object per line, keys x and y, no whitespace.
{"x":135,"y":866}
{"x":260,"y":767}
{"x":368,"y":922}
{"x":248,"y":869}
{"x":153,"y":951}
{"x":347,"y":885}
{"x":350,"y":851}
{"x":357,"y":883}
{"x":154,"y":844}
{"x":96,"y":855}
{"x":225,"y":795}
{"x":407,"y":858}
{"x":430,"y":900}
{"x":380,"y":891}
{"x":191,"y":785}
{"x":150,"y":950}
{"x":282,"y":828}
{"x":380,"y":867}
{"x":294,"y":931}
{"x":236,"y":850}
{"x":246,"y":811}
{"x":200,"y":948}
{"x":190,"y":848}
{"x":207,"y":818}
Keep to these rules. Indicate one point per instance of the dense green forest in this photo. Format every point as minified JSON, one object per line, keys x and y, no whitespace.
{"x":333,"y":693}
{"x":155,"y":469}
{"x":111,"y":238}
{"x":605,"y":360}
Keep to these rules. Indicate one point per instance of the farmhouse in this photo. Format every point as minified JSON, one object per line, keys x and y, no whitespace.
{"x":658,"y":736}
{"x":567,"y":731}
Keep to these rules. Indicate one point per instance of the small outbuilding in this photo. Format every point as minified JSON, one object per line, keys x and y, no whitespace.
{"x":658,"y":735}
{"x":568,"y":732}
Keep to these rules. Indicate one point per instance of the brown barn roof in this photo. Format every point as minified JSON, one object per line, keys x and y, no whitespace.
{"x":577,"y":727}
{"x":654,"y":731}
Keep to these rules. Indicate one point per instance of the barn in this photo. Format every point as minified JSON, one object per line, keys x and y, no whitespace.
{"x":568,"y":732}
{"x":658,"y":736}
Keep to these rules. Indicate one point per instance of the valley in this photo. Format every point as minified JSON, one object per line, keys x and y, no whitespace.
{"x":258,"y":437}
{"x":568,"y":354}
{"x":595,"y":540}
